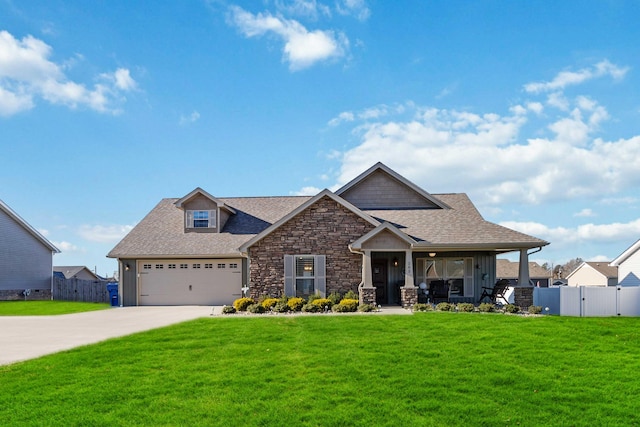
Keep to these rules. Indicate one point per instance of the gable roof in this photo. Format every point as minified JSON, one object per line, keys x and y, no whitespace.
{"x":380,"y":167}
{"x":602,"y":267}
{"x":70,"y":271}
{"x":200,"y":191}
{"x":385,"y":226}
{"x":507,"y":269}
{"x":302,"y":207}
{"x":626,"y":254}
{"x":161,"y":232}
{"x":17,"y":218}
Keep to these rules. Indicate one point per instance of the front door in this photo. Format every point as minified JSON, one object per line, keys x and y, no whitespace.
{"x":379,"y":268}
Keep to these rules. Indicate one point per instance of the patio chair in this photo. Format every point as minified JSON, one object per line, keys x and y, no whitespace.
{"x":497,"y":291}
{"x":439,"y":291}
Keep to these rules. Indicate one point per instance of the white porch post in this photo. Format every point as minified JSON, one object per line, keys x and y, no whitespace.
{"x":523,"y":273}
{"x":367,"y":280}
{"x":408,"y":270}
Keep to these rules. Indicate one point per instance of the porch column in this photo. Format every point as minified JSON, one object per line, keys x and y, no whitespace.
{"x":367,"y":280}
{"x":523,"y":273}
{"x":408,"y":270}
{"x":523,"y":293}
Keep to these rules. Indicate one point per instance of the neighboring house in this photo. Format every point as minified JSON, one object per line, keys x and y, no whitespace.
{"x":76,"y":272}
{"x":628,"y":264}
{"x":379,"y":235}
{"x":593,"y":274}
{"x":538,"y":276}
{"x":26,"y":258}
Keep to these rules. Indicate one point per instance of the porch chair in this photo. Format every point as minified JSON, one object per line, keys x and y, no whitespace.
{"x":439,"y":291}
{"x":497,"y":291}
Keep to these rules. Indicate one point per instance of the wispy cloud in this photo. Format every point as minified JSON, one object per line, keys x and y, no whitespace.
{"x":27,"y":73}
{"x":584,"y":213}
{"x":302,"y":48}
{"x":191,"y":118}
{"x":569,"y":78}
{"x":104,"y":233}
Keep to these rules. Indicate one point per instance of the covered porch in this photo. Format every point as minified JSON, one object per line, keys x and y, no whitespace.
{"x":396,"y":270}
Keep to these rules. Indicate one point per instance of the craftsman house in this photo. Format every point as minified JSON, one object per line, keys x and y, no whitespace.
{"x":380,"y":235}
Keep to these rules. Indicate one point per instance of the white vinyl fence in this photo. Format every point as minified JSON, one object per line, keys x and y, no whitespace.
{"x":589,"y":301}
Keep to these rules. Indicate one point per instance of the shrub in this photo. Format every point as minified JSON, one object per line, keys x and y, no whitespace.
{"x":535,"y":309}
{"x":228,"y":309}
{"x":366,"y":308}
{"x":346,"y":306}
{"x":466,"y":307}
{"x":241,"y":304}
{"x":268,"y":303}
{"x":322,"y":303}
{"x":334,"y":297}
{"x":281,"y":307}
{"x":311,"y":308}
{"x":313,"y":297}
{"x":444,"y":306}
{"x":422,"y":307}
{"x":486,"y":307}
{"x":511,"y":308}
{"x":351,"y":295}
{"x":295,"y":304}
{"x":255,"y":308}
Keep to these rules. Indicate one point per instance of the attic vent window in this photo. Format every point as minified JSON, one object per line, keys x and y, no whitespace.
{"x":201,"y":219}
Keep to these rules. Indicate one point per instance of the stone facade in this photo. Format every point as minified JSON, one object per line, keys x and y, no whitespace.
{"x":408,"y":296}
{"x":324,"y":228}
{"x":367,"y":296}
{"x":17,"y":295}
{"x":523,"y":296}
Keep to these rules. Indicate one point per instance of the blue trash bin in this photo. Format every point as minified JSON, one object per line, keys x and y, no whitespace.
{"x":112,"y":288}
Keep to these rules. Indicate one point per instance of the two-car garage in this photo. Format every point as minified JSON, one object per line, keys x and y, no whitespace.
{"x":189,"y":281}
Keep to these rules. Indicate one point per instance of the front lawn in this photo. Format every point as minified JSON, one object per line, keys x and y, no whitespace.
{"x":429,"y":369}
{"x":47,"y":308}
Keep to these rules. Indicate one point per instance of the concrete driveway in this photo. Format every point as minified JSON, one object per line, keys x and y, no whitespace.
{"x":28,"y":337}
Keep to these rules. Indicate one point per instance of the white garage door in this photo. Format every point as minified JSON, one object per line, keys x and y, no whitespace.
{"x":189,"y":281}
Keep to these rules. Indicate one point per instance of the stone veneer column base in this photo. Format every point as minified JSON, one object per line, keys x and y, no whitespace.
{"x":523,"y":296}
{"x":367,"y":295}
{"x":408,"y":296}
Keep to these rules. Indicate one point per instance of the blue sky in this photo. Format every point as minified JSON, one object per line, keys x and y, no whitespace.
{"x":531,"y":108}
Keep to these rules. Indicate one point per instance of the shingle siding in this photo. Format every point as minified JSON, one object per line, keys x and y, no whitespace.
{"x":25,"y":263}
{"x":324,"y":228}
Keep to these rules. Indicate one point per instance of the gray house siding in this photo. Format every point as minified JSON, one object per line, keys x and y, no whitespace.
{"x":25,"y":263}
{"x":129,"y":279}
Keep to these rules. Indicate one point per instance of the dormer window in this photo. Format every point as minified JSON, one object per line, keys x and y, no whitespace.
{"x":201,"y":219}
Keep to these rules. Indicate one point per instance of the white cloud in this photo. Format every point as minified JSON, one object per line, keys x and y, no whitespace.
{"x":306,"y":8}
{"x":357,"y":8}
{"x":302,"y":48}
{"x":65,"y":246}
{"x":586,"y":212}
{"x":104,"y":233}
{"x":306,"y":191}
{"x":27,"y":73}
{"x":570,"y":78}
{"x":191,"y":118}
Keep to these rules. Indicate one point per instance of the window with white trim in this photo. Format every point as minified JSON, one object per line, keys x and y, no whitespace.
{"x":305,"y":275}
{"x":456,"y":273}
{"x":201,"y":219}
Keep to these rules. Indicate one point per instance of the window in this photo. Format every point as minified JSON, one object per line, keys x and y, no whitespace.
{"x":456,"y":273}
{"x":196,"y":265}
{"x":184,"y":265}
{"x":221,"y":265}
{"x":208,"y":266}
{"x":201,"y":219}
{"x":159,"y":266}
{"x":147,"y":266}
{"x":233,"y":265}
{"x":304,"y":275}
{"x":171,"y":266}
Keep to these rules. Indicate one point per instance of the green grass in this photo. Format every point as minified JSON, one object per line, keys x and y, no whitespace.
{"x":47,"y":308}
{"x":429,"y":369}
